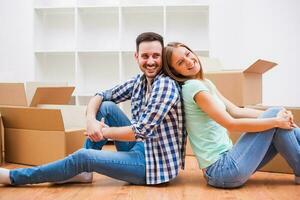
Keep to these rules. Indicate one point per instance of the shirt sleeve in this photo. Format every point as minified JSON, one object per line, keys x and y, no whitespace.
{"x":119,"y":93}
{"x":193,"y":87}
{"x":164,"y":96}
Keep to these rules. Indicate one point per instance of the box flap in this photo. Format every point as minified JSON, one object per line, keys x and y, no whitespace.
{"x":32,"y":118}
{"x":12,"y":94}
{"x":73,"y":116}
{"x":52,"y":95}
{"x":260,"y":66}
{"x":30,"y":87}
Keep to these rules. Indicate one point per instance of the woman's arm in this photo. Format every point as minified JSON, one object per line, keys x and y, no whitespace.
{"x":236,"y":111}
{"x":205,"y":101}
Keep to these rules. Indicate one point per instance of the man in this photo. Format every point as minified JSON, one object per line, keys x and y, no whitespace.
{"x":156,"y":115}
{"x":150,"y":146}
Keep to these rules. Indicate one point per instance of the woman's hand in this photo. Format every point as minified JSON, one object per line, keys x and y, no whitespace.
{"x":285,"y":119}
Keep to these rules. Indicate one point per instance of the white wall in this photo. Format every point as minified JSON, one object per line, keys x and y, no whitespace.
{"x":243,"y":31}
{"x":16,"y":41}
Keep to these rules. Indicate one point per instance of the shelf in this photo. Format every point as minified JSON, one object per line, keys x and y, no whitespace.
{"x":97,"y":51}
{"x":91,"y":43}
{"x":97,"y":72}
{"x":136,"y":3}
{"x":97,"y":3}
{"x":66,"y":51}
{"x":136,"y":21}
{"x":96,"y":33}
{"x":83,"y":100}
{"x":184,"y":3}
{"x":181,"y":26}
{"x":201,"y":52}
{"x":55,"y":29}
{"x":129,"y":65}
{"x":54,"y":3}
{"x":55,"y":67}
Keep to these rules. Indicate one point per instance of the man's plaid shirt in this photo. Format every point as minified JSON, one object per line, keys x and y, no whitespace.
{"x":157,"y":121}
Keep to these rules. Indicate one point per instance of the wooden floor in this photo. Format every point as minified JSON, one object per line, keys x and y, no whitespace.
{"x":189,"y":185}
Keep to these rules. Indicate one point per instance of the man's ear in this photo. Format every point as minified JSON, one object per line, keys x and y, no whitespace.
{"x":136,"y":55}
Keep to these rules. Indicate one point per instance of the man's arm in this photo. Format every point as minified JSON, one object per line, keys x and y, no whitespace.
{"x":117,"y":94}
{"x":96,"y":130}
{"x":93,"y":125}
{"x":124,"y":133}
{"x":164,"y":96}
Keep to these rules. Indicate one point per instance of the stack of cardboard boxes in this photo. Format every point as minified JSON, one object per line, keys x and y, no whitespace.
{"x":37,"y":133}
{"x":244,"y":88}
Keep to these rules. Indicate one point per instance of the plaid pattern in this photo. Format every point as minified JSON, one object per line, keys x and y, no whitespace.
{"x":157,"y":121}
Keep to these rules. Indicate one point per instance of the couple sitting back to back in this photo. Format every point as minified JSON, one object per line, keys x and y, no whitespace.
{"x":151,"y":146}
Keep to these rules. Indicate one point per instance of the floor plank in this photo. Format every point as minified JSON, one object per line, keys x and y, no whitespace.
{"x":190,"y":184}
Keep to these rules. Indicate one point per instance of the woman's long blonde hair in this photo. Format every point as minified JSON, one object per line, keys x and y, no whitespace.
{"x":168,"y":70}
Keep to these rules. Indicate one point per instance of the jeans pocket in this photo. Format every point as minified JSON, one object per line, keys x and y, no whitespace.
{"x":224,"y":173}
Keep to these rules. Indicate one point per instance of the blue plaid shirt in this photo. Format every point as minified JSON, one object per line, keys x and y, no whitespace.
{"x":157,"y":121}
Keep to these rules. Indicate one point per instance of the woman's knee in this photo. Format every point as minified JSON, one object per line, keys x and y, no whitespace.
{"x":271,"y":112}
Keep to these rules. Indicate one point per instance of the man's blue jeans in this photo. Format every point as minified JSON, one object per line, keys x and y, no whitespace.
{"x":127,"y":164}
{"x":253,"y":151}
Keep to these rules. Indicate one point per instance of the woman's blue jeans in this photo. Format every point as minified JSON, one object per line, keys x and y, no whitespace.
{"x":127,"y":164}
{"x":253,"y":151}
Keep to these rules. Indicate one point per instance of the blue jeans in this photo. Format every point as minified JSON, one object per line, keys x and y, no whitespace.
{"x":127,"y":164}
{"x":252,"y":151}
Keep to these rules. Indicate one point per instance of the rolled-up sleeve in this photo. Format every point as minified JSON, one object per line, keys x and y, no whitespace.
{"x":119,"y":93}
{"x":163,"y":97}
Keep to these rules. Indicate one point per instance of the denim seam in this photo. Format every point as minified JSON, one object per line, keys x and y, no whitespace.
{"x":112,"y":162}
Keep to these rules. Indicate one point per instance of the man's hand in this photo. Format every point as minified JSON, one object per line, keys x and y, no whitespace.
{"x":94,"y":130}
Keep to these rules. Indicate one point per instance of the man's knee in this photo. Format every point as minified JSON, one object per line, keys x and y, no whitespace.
{"x":81,"y":154}
{"x":106,"y":106}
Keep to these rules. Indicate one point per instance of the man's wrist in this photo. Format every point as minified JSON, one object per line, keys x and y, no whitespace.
{"x":104,"y":135}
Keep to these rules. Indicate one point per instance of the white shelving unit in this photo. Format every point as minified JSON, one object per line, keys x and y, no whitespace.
{"x":91,"y":43}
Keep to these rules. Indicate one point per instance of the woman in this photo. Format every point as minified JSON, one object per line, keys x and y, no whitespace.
{"x":208,"y":114}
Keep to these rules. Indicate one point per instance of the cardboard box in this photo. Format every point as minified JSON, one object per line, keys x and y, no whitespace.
{"x":31,"y":87}
{"x":1,"y":139}
{"x":41,"y":135}
{"x":242,"y":87}
{"x":13,"y":94}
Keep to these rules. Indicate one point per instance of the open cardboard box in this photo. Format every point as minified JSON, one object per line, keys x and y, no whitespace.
{"x":36,"y":136}
{"x":242,"y":87}
{"x":14,"y":94}
{"x":43,"y":134}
